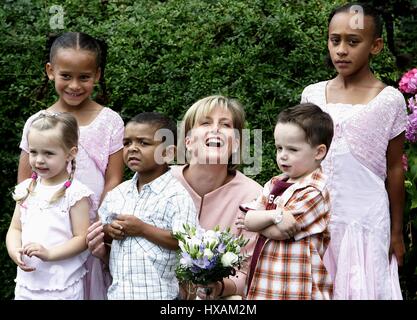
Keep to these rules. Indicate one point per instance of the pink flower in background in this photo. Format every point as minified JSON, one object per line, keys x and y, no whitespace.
{"x":412,"y":104}
{"x":405,"y":162}
{"x":408,"y":82}
{"x":411,"y":131}
{"x":408,"y":85}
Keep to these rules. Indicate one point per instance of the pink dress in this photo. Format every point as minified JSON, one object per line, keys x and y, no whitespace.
{"x":357,"y":257}
{"x":98,"y":140}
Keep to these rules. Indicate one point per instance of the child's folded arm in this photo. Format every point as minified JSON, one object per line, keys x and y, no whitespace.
{"x":274,"y":233}
{"x":256,"y":220}
{"x":310,"y":210}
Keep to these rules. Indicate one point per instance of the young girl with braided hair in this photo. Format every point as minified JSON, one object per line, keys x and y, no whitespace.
{"x":76,"y":62}
{"x":47,"y":234}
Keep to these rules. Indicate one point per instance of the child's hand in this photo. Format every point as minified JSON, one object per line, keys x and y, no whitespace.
{"x":33,"y":249}
{"x":114,"y":230}
{"x":240,"y":221}
{"x":288,"y":226}
{"x":17,"y":256}
{"x":131,"y":225}
{"x":397,"y":247}
{"x":95,"y":240}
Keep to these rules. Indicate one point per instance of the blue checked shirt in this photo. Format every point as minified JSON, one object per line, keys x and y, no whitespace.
{"x":140,"y":268}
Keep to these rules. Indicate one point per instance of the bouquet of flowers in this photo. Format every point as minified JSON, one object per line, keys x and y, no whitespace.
{"x":208,"y":256}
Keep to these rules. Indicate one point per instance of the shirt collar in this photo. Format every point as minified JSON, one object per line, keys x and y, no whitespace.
{"x":316,"y":179}
{"x":157,"y":185}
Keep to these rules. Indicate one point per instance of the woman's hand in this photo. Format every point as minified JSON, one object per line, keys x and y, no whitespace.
{"x":240,"y":221}
{"x":210,"y":291}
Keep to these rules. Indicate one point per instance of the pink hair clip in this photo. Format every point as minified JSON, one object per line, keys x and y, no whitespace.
{"x":34,"y":176}
{"x":67,"y":184}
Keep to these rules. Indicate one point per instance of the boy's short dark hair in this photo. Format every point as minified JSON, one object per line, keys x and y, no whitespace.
{"x":316,"y":124}
{"x":157,"y":120}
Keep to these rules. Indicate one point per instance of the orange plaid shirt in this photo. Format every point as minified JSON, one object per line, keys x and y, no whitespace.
{"x":293,"y":269}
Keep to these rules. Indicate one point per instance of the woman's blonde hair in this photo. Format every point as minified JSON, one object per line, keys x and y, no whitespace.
{"x":204,"y":107}
{"x":68,"y":137}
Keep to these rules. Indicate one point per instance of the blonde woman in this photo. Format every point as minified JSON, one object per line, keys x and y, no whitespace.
{"x":212,"y":128}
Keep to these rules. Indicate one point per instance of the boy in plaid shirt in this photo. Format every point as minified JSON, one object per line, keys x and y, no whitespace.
{"x":287,"y":263}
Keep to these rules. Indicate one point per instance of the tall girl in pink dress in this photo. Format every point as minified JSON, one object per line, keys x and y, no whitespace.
{"x":366,"y":178}
{"x":76,"y":63}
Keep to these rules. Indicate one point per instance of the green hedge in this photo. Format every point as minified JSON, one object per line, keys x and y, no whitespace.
{"x":163,"y":56}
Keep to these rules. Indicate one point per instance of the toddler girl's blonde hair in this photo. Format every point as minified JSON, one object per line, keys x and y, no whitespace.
{"x":68,"y":137}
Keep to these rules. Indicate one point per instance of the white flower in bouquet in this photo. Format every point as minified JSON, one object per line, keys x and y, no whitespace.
{"x":229,"y":259}
{"x":211,"y":238}
{"x":186,"y":261}
{"x":208,"y":253}
{"x":182,"y":246}
{"x":193,"y":243}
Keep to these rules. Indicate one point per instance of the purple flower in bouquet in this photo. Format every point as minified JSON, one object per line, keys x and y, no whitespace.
{"x":221,"y":248}
{"x":202,"y":263}
{"x":186,"y":259}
